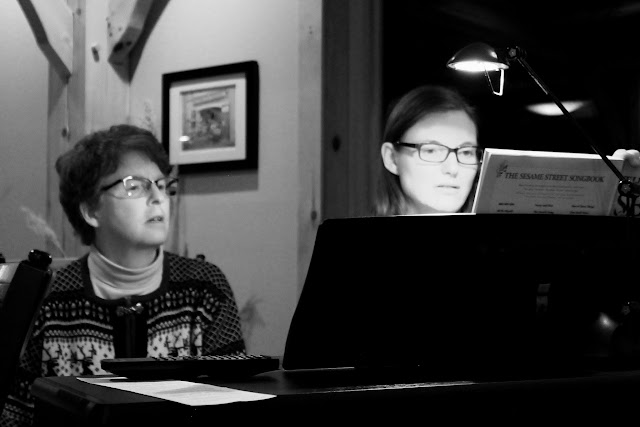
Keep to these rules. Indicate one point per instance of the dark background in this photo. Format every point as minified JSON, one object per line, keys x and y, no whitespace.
{"x":581,"y":50}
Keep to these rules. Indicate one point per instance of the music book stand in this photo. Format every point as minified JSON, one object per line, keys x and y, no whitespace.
{"x":468,"y":296}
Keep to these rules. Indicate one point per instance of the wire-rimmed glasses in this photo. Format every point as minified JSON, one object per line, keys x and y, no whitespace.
{"x":134,"y":187}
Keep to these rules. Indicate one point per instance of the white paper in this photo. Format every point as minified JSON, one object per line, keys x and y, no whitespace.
{"x":185,"y":392}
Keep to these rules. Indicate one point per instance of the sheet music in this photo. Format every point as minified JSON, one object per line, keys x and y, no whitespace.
{"x":185,"y":392}
{"x":541,"y":182}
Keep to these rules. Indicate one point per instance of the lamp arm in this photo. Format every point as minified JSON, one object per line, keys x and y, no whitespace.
{"x":625,"y":186}
{"x":567,"y":114}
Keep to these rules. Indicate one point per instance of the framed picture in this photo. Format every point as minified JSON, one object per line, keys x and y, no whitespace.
{"x":210,"y":117}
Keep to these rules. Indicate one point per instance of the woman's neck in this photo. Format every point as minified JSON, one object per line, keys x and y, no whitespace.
{"x":416,"y":209}
{"x":129,"y":258}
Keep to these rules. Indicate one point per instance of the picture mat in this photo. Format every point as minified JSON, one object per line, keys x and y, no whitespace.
{"x":236,"y":152}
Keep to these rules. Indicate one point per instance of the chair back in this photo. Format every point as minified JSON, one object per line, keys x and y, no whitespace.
{"x":23,"y":286}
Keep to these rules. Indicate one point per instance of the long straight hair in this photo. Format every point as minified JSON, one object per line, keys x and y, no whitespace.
{"x":406,"y":112}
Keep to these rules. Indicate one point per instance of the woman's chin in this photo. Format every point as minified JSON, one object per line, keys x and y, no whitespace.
{"x":441,"y":207}
{"x":155,"y":239}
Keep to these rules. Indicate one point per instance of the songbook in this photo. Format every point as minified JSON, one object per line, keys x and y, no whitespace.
{"x":546,"y":182}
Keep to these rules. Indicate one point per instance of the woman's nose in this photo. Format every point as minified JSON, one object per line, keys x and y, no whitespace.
{"x":156,"y":195}
{"x":450,"y":164}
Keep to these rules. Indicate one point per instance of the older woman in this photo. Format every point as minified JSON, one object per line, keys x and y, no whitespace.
{"x":126,"y":297}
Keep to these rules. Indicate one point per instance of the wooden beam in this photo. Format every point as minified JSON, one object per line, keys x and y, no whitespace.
{"x":61,"y":123}
{"x":66,"y":119}
{"x":106,"y":87}
{"x":52,"y":24}
{"x":365,"y":106}
{"x":351,"y":110}
{"x":124,"y":25}
{"x":309,"y":135}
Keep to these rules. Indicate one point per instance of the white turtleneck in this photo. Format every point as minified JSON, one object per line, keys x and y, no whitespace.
{"x":112,"y":281}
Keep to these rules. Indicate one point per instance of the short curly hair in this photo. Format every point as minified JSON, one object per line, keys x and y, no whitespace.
{"x":91,"y":159}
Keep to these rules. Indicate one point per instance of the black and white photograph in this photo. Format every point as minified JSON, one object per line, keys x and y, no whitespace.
{"x":210,"y":117}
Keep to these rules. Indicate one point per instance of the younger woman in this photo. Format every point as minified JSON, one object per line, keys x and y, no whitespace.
{"x":430,"y":154}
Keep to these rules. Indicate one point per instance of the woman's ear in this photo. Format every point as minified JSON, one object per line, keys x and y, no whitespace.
{"x":388,"y":153}
{"x":89,"y":215}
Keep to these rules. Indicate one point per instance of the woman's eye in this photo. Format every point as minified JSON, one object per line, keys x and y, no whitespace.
{"x":134,"y":186}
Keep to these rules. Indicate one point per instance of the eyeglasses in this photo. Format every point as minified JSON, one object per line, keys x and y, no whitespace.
{"x":433,"y":152}
{"x":134,"y":187}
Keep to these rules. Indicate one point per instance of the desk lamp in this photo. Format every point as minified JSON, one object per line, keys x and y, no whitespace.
{"x":480,"y":57}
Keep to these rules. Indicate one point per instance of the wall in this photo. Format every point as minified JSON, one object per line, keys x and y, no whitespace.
{"x":23,"y":131}
{"x":255,"y":225}
{"x":258,"y":226}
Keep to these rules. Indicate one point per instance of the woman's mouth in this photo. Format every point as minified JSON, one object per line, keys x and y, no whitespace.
{"x":448,"y":189}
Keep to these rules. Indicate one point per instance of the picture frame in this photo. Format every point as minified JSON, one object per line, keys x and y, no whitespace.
{"x":210,"y":117}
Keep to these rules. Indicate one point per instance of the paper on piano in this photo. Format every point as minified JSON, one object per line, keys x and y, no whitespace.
{"x":544,"y":182}
{"x":185,"y":392}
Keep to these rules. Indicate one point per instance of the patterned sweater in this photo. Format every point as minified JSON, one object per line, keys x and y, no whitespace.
{"x":192,"y":313}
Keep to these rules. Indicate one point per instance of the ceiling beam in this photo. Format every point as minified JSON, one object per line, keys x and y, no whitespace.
{"x":52,"y":24}
{"x":124,"y":25}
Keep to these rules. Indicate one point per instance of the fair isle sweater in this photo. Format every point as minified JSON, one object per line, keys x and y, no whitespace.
{"x":193,"y":312}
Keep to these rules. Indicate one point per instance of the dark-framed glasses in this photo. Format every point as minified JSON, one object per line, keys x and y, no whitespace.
{"x":134,"y":187}
{"x":434,"y":152}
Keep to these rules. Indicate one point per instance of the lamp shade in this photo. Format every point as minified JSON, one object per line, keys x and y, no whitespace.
{"x":477,"y":57}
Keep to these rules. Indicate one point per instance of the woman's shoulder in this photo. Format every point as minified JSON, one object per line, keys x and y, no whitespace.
{"x":183,"y":268}
{"x":184,"y":271}
{"x":69,"y":277}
